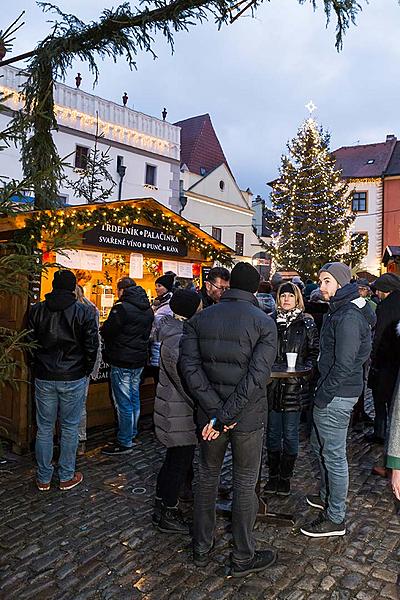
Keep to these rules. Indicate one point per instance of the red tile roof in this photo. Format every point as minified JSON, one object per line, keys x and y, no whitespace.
{"x":200,"y":147}
{"x":353,"y":160}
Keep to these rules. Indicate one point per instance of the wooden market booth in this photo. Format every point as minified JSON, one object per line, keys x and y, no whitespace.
{"x":139,"y":238}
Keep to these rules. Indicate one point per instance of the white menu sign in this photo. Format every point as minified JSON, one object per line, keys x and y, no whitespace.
{"x":185,"y":270}
{"x":136,"y":266}
{"x":80,"y":259}
{"x":170,"y":265}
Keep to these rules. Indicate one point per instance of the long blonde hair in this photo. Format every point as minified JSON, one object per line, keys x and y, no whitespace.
{"x":297,"y":294}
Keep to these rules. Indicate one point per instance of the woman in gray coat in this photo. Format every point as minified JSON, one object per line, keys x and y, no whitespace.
{"x":174,"y":416}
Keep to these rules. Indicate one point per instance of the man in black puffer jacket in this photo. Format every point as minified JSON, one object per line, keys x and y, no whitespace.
{"x":126,"y":336}
{"x":67,"y":337}
{"x":226,"y":359}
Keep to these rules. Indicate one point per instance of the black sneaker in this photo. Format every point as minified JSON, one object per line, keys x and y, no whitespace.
{"x":283,"y":488}
{"x":323,"y":527}
{"x":172,"y":521}
{"x":116,"y":450}
{"x":271,"y":486}
{"x":315,"y":501}
{"x":262,"y":560}
{"x":201,"y":559}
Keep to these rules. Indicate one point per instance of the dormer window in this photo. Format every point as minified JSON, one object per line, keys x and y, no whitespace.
{"x":203,"y":171}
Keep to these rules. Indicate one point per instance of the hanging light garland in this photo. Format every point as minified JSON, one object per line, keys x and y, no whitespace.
{"x":71,"y":221}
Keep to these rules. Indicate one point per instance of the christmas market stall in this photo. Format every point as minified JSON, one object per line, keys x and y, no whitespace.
{"x":138,"y":238}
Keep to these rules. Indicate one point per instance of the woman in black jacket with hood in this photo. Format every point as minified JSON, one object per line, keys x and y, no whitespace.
{"x":297,"y":332}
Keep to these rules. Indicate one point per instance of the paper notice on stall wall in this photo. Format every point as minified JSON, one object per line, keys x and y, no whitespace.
{"x":80,"y":259}
{"x":170,"y":265}
{"x":136,"y":266}
{"x":91,"y":261}
{"x":185,"y":270}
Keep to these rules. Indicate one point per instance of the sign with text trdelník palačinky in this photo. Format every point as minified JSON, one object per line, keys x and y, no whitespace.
{"x":135,"y":238}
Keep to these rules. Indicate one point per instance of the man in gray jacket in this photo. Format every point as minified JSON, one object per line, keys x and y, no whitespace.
{"x":345,"y":345}
{"x":226,"y":359}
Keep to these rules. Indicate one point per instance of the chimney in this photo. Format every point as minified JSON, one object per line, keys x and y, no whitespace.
{"x":390,"y":137}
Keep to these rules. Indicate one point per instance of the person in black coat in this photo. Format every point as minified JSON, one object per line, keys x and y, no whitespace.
{"x":385,"y":356}
{"x":67,"y":340}
{"x":227,"y":354}
{"x":298,"y":333}
{"x":126,"y":335}
{"x":174,"y":416}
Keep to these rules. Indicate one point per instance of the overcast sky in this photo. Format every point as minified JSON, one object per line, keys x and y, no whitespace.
{"x":255,"y":77}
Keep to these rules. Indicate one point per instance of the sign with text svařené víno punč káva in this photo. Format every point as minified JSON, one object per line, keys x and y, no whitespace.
{"x":135,"y":238}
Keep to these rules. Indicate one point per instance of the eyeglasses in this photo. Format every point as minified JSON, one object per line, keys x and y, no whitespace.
{"x":223,"y":288}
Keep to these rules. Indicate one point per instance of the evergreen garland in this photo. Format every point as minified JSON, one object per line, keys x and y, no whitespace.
{"x":71,"y":222}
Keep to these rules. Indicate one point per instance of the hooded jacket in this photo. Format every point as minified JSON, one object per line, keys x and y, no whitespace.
{"x":67,"y":335}
{"x":226,"y":358}
{"x":173,"y":407}
{"x":127,"y":330}
{"x":345,"y":345}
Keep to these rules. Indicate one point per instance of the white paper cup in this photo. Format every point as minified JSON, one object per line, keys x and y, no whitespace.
{"x":291,"y":358}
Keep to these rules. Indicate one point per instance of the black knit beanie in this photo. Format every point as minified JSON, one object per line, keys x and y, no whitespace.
{"x":167,"y":280}
{"x":245,"y":277}
{"x":64,"y":280}
{"x":287,"y":287}
{"x":184,"y":303}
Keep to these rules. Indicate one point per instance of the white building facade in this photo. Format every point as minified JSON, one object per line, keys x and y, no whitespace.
{"x":148,"y":148}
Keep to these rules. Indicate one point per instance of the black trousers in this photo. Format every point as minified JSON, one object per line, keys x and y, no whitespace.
{"x":176,"y":471}
{"x":246,"y":459}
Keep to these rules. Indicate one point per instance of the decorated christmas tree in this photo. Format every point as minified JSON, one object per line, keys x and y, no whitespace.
{"x":313,"y":218}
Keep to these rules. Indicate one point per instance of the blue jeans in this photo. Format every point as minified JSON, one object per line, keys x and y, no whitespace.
{"x":125,"y":385}
{"x":64,"y":399}
{"x":283,"y":429}
{"x":328,"y":440}
{"x":246,"y":459}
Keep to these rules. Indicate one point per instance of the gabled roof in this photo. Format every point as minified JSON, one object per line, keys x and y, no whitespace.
{"x":393,"y":167}
{"x":200,"y":147}
{"x":366,"y":160}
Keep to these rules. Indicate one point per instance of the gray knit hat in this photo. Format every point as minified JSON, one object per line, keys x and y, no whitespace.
{"x":338,"y":270}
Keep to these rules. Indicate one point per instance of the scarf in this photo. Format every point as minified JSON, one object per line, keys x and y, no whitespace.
{"x":286,"y":317}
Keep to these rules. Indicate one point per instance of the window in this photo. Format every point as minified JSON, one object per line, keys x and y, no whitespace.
{"x":359,"y":202}
{"x":81,"y":156}
{"x":217,"y":233}
{"x":151,"y":174}
{"x":222,"y":185}
{"x":203,"y":171}
{"x":370,"y":161}
{"x":239,"y":244}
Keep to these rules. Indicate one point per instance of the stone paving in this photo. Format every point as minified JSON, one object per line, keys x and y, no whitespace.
{"x":97,"y":541}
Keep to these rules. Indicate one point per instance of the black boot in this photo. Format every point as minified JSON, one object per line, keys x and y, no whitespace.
{"x":172,"y":521}
{"x":156,"y":516}
{"x":286,"y":473}
{"x":274,"y":457}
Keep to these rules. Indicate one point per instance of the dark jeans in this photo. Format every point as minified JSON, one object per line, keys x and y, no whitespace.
{"x":176,"y":470}
{"x":246,"y":459}
{"x":381,"y":412}
{"x":283,"y":431}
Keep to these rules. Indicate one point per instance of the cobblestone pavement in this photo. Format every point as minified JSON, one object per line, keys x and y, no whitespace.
{"x":97,"y":541}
